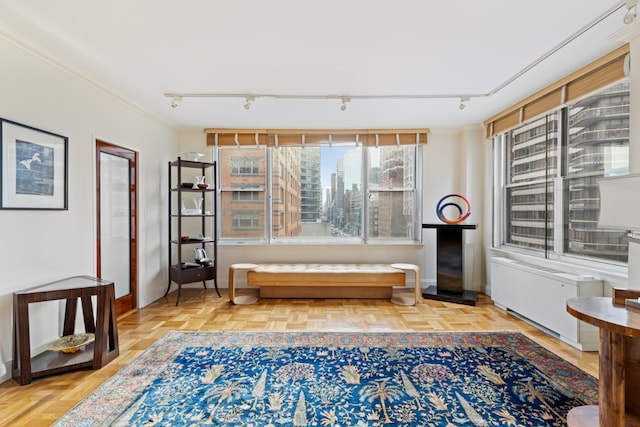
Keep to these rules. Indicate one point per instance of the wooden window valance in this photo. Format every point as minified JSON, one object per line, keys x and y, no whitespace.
{"x":600,"y":73}
{"x":311,"y":137}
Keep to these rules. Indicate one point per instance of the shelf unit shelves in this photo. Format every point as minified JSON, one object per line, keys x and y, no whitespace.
{"x":183,"y":272}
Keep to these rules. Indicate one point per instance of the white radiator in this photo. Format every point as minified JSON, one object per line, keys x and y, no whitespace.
{"x":540,"y":294}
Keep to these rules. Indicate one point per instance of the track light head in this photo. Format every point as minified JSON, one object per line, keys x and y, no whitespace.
{"x":632,"y":11}
{"x":345,"y":99}
{"x":630,"y":16}
{"x":463,"y":102}
{"x":175,"y":100}
{"x":249,"y":100}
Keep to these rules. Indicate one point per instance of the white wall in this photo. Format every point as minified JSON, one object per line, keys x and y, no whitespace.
{"x":446,"y":169}
{"x":37,"y":247}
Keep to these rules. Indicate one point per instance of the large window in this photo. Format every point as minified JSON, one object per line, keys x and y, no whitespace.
{"x":347,"y":193}
{"x":549,"y":199}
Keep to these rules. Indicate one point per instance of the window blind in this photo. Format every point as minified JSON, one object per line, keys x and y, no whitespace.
{"x":602,"y":72}
{"x":314,"y":137}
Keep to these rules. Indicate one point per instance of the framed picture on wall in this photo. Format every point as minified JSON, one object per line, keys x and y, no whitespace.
{"x":33,"y":168}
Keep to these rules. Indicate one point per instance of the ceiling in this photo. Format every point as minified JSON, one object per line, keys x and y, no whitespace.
{"x":425,"y":52}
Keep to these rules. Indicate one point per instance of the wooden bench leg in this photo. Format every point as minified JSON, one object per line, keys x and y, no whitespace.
{"x":243,"y":299}
{"x":418,"y":289}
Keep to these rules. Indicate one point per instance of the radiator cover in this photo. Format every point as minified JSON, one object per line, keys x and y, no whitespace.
{"x":540,"y":294}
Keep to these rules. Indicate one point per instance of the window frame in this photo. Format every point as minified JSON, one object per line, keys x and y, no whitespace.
{"x":362,"y":239}
{"x":501,"y":177}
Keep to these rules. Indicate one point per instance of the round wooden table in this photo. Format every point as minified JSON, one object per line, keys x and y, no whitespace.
{"x":619,"y":363}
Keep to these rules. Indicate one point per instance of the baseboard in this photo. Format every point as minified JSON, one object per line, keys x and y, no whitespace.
{"x":5,"y":368}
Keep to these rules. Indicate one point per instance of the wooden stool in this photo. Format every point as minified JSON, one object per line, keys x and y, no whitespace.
{"x":243,"y":299}
{"x":400,"y":300}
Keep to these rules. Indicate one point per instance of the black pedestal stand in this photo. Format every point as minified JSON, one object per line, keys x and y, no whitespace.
{"x":450,"y":265}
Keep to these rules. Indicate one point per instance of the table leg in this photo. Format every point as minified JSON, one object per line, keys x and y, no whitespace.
{"x":247,"y":299}
{"x":612,"y":367}
{"x":87,"y":314}
{"x":232,"y":283}
{"x":632,"y":378}
{"x":418,"y":289}
{"x":21,"y":363}
{"x":113,"y":346}
{"x":100,"y":329}
{"x":69,"y":325}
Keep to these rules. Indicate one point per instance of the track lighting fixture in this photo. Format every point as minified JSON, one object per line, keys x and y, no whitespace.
{"x":345,"y":99}
{"x":632,"y":12}
{"x":463,"y":102}
{"x":175,"y":100}
{"x":249,"y":100}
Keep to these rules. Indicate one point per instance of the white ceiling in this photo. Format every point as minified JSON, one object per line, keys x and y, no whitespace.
{"x":142,"y":49}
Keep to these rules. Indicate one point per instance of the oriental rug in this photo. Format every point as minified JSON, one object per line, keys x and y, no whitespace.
{"x":339,"y":379}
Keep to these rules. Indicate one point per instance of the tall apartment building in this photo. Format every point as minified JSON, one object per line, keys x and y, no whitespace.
{"x":597,"y":141}
{"x":311,"y":187}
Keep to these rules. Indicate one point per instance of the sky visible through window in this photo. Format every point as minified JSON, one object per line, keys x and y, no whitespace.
{"x":328,"y":158}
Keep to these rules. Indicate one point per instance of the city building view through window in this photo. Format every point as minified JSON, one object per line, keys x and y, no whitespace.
{"x":553,"y":164}
{"x":318,"y":192}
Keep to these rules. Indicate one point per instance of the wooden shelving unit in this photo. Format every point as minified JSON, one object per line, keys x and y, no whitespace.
{"x":182,"y":271}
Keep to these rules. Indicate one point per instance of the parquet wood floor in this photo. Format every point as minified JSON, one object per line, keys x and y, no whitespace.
{"x":46,"y":399}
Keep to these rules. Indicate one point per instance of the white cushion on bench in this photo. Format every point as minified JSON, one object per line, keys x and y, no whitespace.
{"x":325,"y":275}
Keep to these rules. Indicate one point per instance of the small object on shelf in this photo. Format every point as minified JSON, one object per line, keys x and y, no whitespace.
{"x":191,"y":156}
{"x":71,"y":343}
{"x":199,"y":179}
{"x":199,"y":254}
{"x":190,"y":265}
{"x":187,"y":185}
{"x":633,"y":304}
{"x":184,"y":238}
{"x":203,"y":186}
{"x":191,"y":212}
{"x":462,"y":213}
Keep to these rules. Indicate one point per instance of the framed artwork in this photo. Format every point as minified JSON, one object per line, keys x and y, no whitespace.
{"x":33,"y":168}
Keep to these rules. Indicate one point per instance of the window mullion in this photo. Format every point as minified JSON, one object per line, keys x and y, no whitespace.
{"x":364,"y":228}
{"x":558,"y":195}
{"x":268,"y":199}
{"x":499,"y":193}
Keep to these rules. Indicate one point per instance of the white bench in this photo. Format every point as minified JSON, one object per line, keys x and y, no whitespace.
{"x":326,"y":280}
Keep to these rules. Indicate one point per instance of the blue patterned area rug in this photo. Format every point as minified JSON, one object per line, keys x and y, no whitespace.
{"x":339,"y":379}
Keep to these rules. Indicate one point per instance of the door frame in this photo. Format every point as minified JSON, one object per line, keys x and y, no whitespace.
{"x":130,"y":301}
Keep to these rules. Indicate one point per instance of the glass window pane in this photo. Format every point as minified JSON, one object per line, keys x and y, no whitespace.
{"x":581,"y":234}
{"x":533,"y":150}
{"x":391,"y":167}
{"x":391,"y":214}
{"x":598,"y":145}
{"x":242,"y":192}
{"x":317,"y":192}
{"x":286,"y":192}
{"x":533,"y":162}
{"x":242,"y":168}
{"x":529,"y":223}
